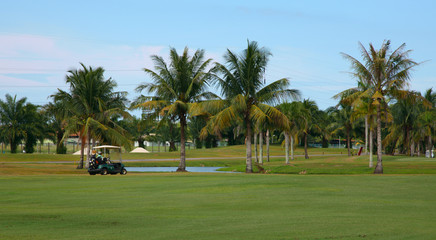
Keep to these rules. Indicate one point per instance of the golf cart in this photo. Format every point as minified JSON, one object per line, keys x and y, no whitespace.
{"x":102,"y":164}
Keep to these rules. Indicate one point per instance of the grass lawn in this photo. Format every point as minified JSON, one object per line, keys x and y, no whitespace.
{"x":230,"y":157}
{"x":336,"y":198}
{"x":346,"y":165}
{"x":221,"y":152}
{"x":218,"y":206}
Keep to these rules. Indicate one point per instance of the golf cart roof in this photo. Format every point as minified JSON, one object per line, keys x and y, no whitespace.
{"x":107,"y":147}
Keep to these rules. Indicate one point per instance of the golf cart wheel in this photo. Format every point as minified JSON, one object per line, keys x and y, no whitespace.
{"x":104,"y":171}
{"x":123,"y":171}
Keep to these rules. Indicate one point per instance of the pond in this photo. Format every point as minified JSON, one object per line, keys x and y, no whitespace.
{"x":173,"y":169}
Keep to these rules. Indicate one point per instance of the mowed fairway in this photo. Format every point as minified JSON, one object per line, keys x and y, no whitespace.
{"x":218,"y":206}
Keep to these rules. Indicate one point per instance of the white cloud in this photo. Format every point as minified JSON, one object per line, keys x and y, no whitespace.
{"x":31,"y":60}
{"x":20,"y":45}
{"x":14,"y":82}
{"x":36,"y":54}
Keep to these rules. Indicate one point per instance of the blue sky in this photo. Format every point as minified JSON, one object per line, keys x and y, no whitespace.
{"x":41,"y":40}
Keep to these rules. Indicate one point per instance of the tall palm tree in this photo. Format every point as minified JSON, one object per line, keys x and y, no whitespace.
{"x":12,"y":119}
{"x":178,"y":85}
{"x":247,"y":98}
{"x":91,"y":103}
{"x":386,"y":73}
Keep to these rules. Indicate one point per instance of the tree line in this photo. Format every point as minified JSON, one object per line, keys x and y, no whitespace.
{"x":177,"y":104}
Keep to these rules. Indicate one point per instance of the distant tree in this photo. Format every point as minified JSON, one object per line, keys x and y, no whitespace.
{"x":168,"y":131}
{"x":195,"y":125}
{"x":34,"y":127}
{"x":426,"y":119}
{"x":138,"y":128}
{"x":405,"y":112}
{"x":12,"y":119}
{"x":310,"y":115}
{"x":57,"y":115}
{"x":343,"y":120}
{"x":360,"y":98}
{"x":234,"y":135}
{"x":294,"y":112}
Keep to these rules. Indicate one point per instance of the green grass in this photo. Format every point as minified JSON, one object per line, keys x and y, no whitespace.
{"x":221,"y":152}
{"x":12,"y":164}
{"x":337,"y":198}
{"x":314,"y":165}
{"x":217,"y":206}
{"x":345,"y":165}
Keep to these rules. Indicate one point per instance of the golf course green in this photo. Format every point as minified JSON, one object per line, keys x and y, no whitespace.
{"x":324,"y":197}
{"x":218,"y":206}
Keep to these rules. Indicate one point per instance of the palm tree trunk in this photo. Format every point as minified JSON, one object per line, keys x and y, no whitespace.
{"x":429,"y":147}
{"x":89,"y":156}
{"x":292,"y":148}
{"x":172,"y":142}
{"x":366,"y":134}
{"x":348,"y":142}
{"x":267,"y":145}
{"x":379,"y":167}
{"x":59,"y":143}
{"x":407,"y":141}
{"x":412,"y":148}
{"x":82,"y":152}
{"x":306,"y":156}
{"x":261,"y":147}
{"x":182,"y":165}
{"x":286,"y":147}
{"x":371,"y":147}
{"x":255,"y":147}
{"x":13,"y":145}
{"x":248,"y":162}
{"x":88,"y":151}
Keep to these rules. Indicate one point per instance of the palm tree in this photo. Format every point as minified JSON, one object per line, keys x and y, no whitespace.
{"x":34,"y":126}
{"x":293,"y":112}
{"x":178,"y":85}
{"x":168,"y":130}
{"x":138,"y":128}
{"x":57,"y":117}
{"x":310,"y":115}
{"x":91,"y":104}
{"x":405,"y":114}
{"x":364,"y":109}
{"x":246,"y":96}
{"x":386,"y":73}
{"x":342,"y":115}
{"x":12,"y":119}
{"x":426,"y":123}
{"x":360,"y":99}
